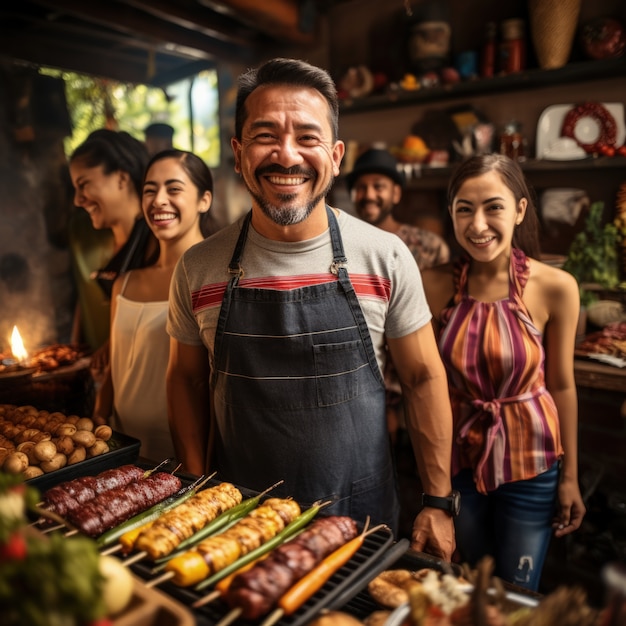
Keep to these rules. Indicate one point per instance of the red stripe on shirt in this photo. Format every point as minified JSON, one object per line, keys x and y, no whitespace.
{"x":365,"y":285}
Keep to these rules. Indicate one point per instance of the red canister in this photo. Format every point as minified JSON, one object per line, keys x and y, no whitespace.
{"x":512,"y":47}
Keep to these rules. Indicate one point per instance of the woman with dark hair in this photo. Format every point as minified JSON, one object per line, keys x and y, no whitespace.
{"x":177,"y":194}
{"x":506,"y":327}
{"x":107,"y":173}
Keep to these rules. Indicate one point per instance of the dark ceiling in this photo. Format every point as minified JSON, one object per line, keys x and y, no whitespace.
{"x":152,"y":41}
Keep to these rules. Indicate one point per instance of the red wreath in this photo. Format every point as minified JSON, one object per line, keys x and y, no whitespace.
{"x":608,"y":126}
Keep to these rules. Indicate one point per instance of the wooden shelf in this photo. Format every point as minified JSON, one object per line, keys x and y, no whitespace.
{"x":530,"y":79}
{"x":599,"y":376}
{"x":426,"y":177}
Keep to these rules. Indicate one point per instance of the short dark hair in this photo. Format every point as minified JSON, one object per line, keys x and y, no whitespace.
{"x":114,"y":151}
{"x":282,"y":71}
{"x":526,"y":235}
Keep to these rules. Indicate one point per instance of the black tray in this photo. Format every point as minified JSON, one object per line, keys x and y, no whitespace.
{"x":122,"y":451}
{"x":347,"y":582}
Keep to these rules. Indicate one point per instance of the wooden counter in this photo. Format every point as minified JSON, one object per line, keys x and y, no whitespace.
{"x":597,"y":375}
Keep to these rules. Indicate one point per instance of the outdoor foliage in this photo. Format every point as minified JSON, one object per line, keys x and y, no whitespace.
{"x":190,"y":106}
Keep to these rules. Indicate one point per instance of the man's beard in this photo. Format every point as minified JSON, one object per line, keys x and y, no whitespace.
{"x":287,"y":214}
{"x":383,"y":211}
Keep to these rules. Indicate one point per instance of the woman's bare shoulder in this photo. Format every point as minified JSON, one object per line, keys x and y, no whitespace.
{"x":554,"y":284}
{"x":438,"y":286}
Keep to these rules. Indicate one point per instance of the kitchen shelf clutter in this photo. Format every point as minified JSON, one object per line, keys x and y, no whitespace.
{"x":529,"y":79}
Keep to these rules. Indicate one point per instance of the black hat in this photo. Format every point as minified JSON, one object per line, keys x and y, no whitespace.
{"x":375,"y":161}
{"x":159,"y":129}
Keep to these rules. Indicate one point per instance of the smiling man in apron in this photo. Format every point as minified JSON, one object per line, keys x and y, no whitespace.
{"x":286,"y":313}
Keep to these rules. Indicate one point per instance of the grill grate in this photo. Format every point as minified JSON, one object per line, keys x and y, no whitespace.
{"x":347,"y":582}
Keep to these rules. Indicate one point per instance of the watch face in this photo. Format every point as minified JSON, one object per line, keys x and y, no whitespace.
{"x":456,"y":502}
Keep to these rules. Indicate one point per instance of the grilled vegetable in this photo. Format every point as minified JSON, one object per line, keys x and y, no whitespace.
{"x":182,"y":522}
{"x":290,"y":530}
{"x":310,"y":583}
{"x":215,"y":553}
{"x":255,"y":592}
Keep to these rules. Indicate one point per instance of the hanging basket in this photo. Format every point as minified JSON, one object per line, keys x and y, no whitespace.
{"x":553,"y":27}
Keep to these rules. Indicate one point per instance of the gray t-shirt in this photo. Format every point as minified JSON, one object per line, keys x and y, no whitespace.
{"x":382,"y":270}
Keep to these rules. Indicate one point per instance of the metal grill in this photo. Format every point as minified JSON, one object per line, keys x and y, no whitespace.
{"x":346,"y":583}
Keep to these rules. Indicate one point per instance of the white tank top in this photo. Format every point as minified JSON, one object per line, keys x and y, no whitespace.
{"x":139,"y":357}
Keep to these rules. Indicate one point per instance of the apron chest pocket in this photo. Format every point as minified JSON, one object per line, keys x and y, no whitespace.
{"x":342,"y":372}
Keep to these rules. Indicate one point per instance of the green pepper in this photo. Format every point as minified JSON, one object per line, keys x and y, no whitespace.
{"x":300,"y":522}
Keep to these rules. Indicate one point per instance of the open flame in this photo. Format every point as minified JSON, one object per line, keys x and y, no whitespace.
{"x":17,"y":346}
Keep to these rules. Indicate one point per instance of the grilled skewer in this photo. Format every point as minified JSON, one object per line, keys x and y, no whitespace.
{"x":219,"y":551}
{"x":167,"y":532}
{"x":111,"y":508}
{"x":70,"y":495}
{"x":257,"y":590}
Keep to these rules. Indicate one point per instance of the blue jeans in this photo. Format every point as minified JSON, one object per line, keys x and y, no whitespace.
{"x":513,"y":524}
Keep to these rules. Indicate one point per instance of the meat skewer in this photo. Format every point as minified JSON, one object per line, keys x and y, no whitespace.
{"x":219,"y":551}
{"x":253,"y":593}
{"x":72,"y":494}
{"x":111,"y":508}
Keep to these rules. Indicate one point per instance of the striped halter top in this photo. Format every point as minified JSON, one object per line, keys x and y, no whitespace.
{"x":505,"y":421}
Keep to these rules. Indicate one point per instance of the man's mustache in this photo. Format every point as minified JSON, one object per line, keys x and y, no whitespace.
{"x":295,"y":170}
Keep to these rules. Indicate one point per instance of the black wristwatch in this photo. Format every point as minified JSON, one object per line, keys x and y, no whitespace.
{"x":450,"y":504}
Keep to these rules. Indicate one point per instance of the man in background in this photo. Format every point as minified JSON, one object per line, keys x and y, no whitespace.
{"x":158,"y":136}
{"x":376,"y":185}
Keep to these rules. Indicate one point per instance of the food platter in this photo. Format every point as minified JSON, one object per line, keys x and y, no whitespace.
{"x":123,"y":449}
{"x":552,"y":144}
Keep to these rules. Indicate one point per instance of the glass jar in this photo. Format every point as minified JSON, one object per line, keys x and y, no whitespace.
{"x":512,"y":141}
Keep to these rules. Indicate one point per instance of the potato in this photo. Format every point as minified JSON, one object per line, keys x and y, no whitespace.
{"x":41,"y":436}
{"x":84,"y":423}
{"x":29,"y":420}
{"x":15,"y":463}
{"x":27,"y":447}
{"x":45,"y":450}
{"x":27,"y":408}
{"x":84,"y":438}
{"x":57,"y":462}
{"x":100,"y":447}
{"x":65,"y":444}
{"x":103,"y":432}
{"x":32,"y":471}
{"x":65,"y":429}
{"x":4,"y":453}
{"x":79,"y":454}
{"x":27,"y":435}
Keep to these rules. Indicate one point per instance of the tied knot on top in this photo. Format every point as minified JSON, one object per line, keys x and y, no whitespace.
{"x":489,"y":407}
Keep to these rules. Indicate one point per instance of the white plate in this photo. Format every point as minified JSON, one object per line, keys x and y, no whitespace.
{"x":586,"y":131}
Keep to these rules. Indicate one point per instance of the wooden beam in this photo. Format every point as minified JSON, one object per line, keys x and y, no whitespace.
{"x":278,"y":18}
{"x":124,"y":18}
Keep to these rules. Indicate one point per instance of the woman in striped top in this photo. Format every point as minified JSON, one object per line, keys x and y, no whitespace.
{"x":506,"y":327}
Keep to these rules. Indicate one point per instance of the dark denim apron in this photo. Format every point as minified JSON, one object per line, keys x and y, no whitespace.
{"x":299,"y":396}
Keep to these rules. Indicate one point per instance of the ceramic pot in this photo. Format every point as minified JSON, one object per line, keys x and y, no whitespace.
{"x":553,"y":27}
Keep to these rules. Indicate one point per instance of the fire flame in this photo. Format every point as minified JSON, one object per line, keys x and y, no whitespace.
{"x":17,"y":346}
